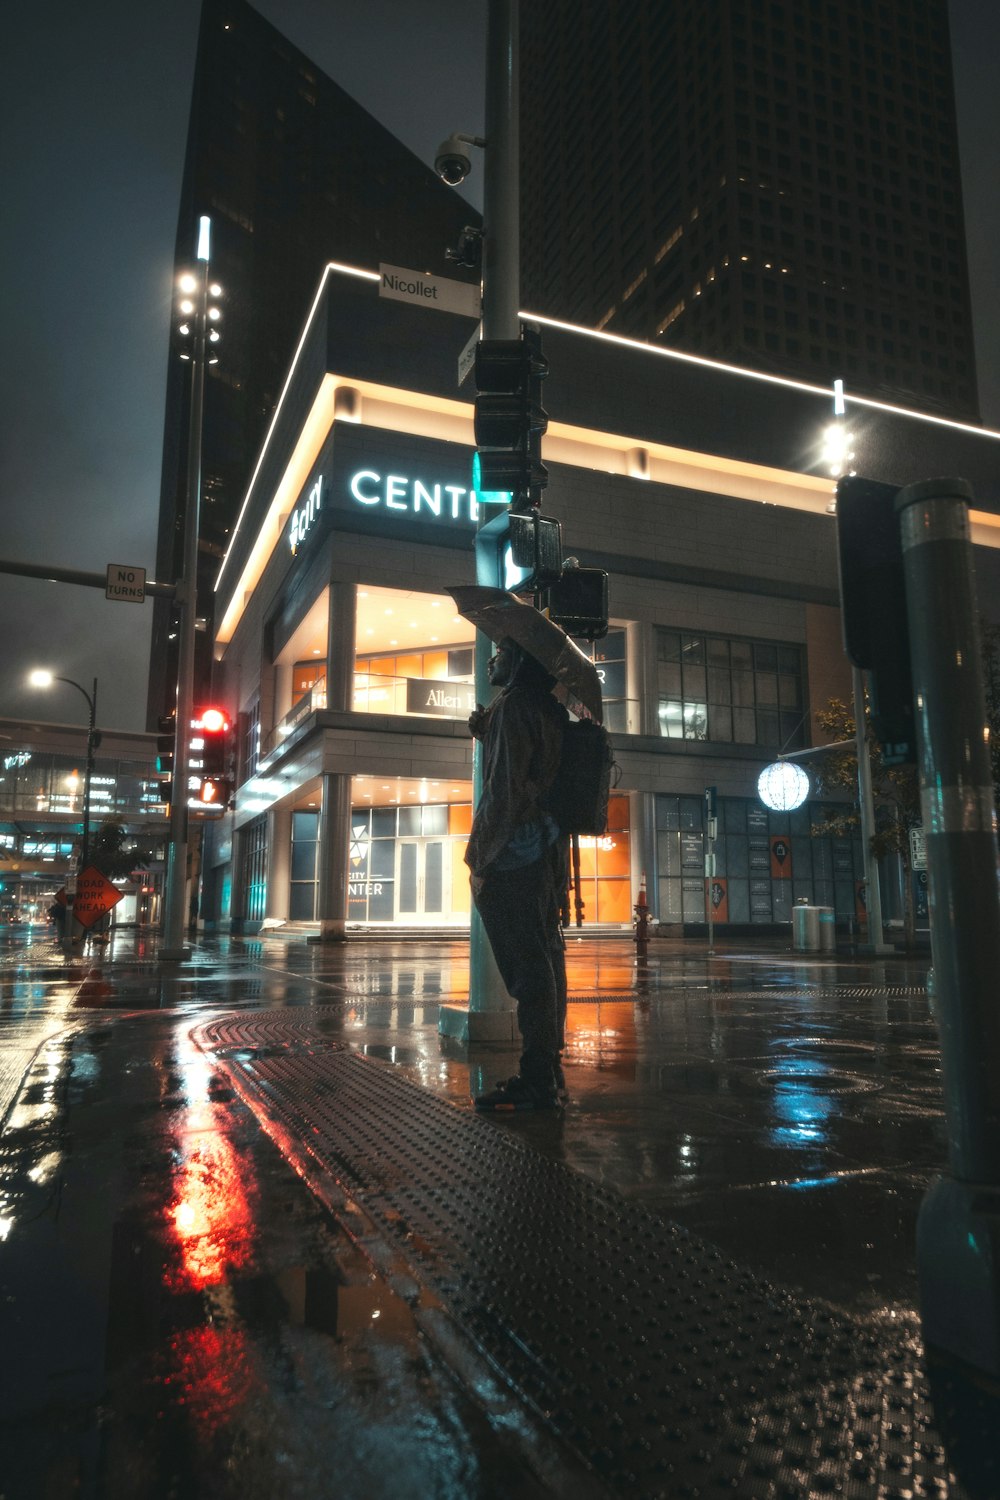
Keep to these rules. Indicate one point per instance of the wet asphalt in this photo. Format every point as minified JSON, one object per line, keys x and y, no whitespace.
{"x":185,"y":1311}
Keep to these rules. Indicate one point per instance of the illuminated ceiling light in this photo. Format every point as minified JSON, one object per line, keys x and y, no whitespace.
{"x":388,"y":611}
{"x":187,"y":307}
{"x":214,"y":336}
{"x":215,"y":290}
{"x":185,"y":329}
{"x":214,"y":314}
{"x":187,"y":282}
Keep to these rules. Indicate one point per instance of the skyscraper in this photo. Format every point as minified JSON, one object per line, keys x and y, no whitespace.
{"x":767,"y":182}
{"x":293,"y":174}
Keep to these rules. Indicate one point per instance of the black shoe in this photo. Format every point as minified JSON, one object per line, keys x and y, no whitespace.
{"x":515,"y":1094}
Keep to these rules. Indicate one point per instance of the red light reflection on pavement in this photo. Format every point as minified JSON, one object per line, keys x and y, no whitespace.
{"x":214,"y":1372}
{"x":211,"y":1213}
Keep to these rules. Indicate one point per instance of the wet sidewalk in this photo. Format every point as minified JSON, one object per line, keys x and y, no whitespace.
{"x":256,"y":1241}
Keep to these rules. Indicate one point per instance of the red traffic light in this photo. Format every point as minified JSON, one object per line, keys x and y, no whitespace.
{"x":214,"y":721}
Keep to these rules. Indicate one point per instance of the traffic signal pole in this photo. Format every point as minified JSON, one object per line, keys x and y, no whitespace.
{"x":958,"y":1231}
{"x":491,"y":1016}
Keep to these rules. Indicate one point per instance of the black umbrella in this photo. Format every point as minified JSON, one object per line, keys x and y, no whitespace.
{"x":500,"y":614}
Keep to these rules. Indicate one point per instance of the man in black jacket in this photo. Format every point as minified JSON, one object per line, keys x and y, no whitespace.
{"x":518,"y":862}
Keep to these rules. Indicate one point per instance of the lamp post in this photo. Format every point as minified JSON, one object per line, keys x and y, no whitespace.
{"x":199,"y":316}
{"x":44,"y":679}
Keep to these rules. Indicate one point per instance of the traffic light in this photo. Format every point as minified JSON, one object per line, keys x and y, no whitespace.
{"x":165,"y":756}
{"x":509,"y":419}
{"x":578,"y":601}
{"x":873,"y":605}
{"x":210,"y":762}
{"x":519,"y":552}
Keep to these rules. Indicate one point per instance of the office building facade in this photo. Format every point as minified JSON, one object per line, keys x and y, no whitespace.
{"x":772,"y":184}
{"x":293,"y":174}
{"x":350,"y":674}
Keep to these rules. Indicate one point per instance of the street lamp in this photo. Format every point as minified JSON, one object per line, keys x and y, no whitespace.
{"x":199,"y":315}
{"x":44,"y":679}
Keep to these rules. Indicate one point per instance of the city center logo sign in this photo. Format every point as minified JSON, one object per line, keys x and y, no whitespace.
{"x":427,"y":502}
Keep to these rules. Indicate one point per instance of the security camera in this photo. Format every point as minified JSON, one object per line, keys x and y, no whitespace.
{"x":452,"y":162}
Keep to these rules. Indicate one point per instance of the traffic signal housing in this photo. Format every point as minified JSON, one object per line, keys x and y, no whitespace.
{"x":165,"y":756}
{"x":211,"y":750}
{"x":510,"y":419}
{"x":578,"y":601}
{"x":873,"y":608}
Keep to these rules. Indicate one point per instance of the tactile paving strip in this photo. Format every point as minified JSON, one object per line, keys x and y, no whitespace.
{"x":670,"y":1369}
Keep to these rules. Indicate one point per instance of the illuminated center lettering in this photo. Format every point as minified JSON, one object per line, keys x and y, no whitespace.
{"x":432,"y":502}
{"x":303,"y":518}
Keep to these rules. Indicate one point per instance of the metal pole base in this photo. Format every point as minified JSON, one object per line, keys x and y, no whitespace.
{"x":478,"y":1026}
{"x":958,"y":1265}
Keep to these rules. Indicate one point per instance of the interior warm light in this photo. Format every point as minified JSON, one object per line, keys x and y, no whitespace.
{"x":187,"y":307}
{"x":187,"y":282}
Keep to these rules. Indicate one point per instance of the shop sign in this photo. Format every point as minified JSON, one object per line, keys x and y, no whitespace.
{"x":21,"y":758}
{"x":304,"y":518}
{"x":450,"y":700}
{"x":401,"y":492}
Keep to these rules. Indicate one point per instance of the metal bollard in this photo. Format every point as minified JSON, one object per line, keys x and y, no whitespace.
{"x":958,"y":1231}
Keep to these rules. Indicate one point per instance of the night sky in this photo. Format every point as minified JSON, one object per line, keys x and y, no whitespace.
{"x":95,"y":102}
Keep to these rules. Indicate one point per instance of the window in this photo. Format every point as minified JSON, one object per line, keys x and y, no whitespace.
{"x":732,"y":691}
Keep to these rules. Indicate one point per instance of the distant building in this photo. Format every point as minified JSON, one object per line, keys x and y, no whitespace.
{"x":772,"y":184}
{"x":293,"y":174}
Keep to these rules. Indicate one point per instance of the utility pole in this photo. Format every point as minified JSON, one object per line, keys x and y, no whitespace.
{"x":175,"y":915}
{"x":490,"y":1016}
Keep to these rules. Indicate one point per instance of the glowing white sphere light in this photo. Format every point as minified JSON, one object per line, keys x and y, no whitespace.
{"x":783,"y":786}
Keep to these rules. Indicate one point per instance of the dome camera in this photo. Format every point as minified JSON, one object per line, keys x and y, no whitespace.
{"x":452,"y":162}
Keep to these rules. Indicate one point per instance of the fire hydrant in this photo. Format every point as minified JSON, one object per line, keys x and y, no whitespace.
{"x":641,"y":920}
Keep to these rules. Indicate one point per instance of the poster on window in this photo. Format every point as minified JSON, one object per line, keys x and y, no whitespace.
{"x":717,"y":891}
{"x":781,"y":857}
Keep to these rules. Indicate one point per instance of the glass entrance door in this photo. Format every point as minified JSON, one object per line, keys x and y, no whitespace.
{"x":420,"y":878}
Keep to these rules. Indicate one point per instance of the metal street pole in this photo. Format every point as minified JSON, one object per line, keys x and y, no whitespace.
{"x":866,"y":803}
{"x":491,"y":1011}
{"x":88,"y":774}
{"x":174,"y":920}
{"x":958,"y":1229}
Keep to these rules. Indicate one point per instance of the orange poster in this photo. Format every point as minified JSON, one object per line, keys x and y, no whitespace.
{"x":781,"y":857}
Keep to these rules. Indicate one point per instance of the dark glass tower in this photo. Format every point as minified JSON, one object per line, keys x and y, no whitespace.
{"x":771,"y":182}
{"x":293,"y":173}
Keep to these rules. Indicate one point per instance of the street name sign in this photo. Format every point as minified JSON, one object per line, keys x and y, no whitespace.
{"x":95,"y":895}
{"x":467,"y":358}
{"x":442,"y":292}
{"x":127,"y":585}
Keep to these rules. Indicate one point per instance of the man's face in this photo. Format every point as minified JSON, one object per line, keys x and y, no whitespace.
{"x":501,"y":665}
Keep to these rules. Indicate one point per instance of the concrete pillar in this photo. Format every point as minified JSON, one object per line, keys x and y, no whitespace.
{"x":334,"y":836}
{"x":236,"y":892}
{"x":340,"y":646}
{"x":279,"y":855}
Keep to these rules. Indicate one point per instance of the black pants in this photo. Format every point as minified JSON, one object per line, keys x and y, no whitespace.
{"x":520,"y":912}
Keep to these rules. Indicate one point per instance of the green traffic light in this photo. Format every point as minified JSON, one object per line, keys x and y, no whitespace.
{"x":490,"y":497}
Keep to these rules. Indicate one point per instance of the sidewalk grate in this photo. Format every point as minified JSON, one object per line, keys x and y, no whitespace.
{"x":670,"y":1369}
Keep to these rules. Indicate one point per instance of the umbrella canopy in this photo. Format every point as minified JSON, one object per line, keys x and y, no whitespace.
{"x":500,"y":614}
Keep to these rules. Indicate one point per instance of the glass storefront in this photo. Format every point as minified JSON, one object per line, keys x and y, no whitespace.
{"x":764,"y":861}
{"x":407,"y":864}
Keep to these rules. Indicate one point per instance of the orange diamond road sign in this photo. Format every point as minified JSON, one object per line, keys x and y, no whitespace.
{"x":95,"y":895}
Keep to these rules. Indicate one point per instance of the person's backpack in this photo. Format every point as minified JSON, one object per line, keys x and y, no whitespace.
{"x":578,"y":797}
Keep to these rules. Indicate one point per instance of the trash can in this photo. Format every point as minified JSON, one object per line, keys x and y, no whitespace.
{"x":827,"y":929}
{"x":805,"y":928}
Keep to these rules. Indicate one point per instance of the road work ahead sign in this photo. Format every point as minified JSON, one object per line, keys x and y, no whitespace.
{"x":95,"y":895}
{"x":126,"y":584}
